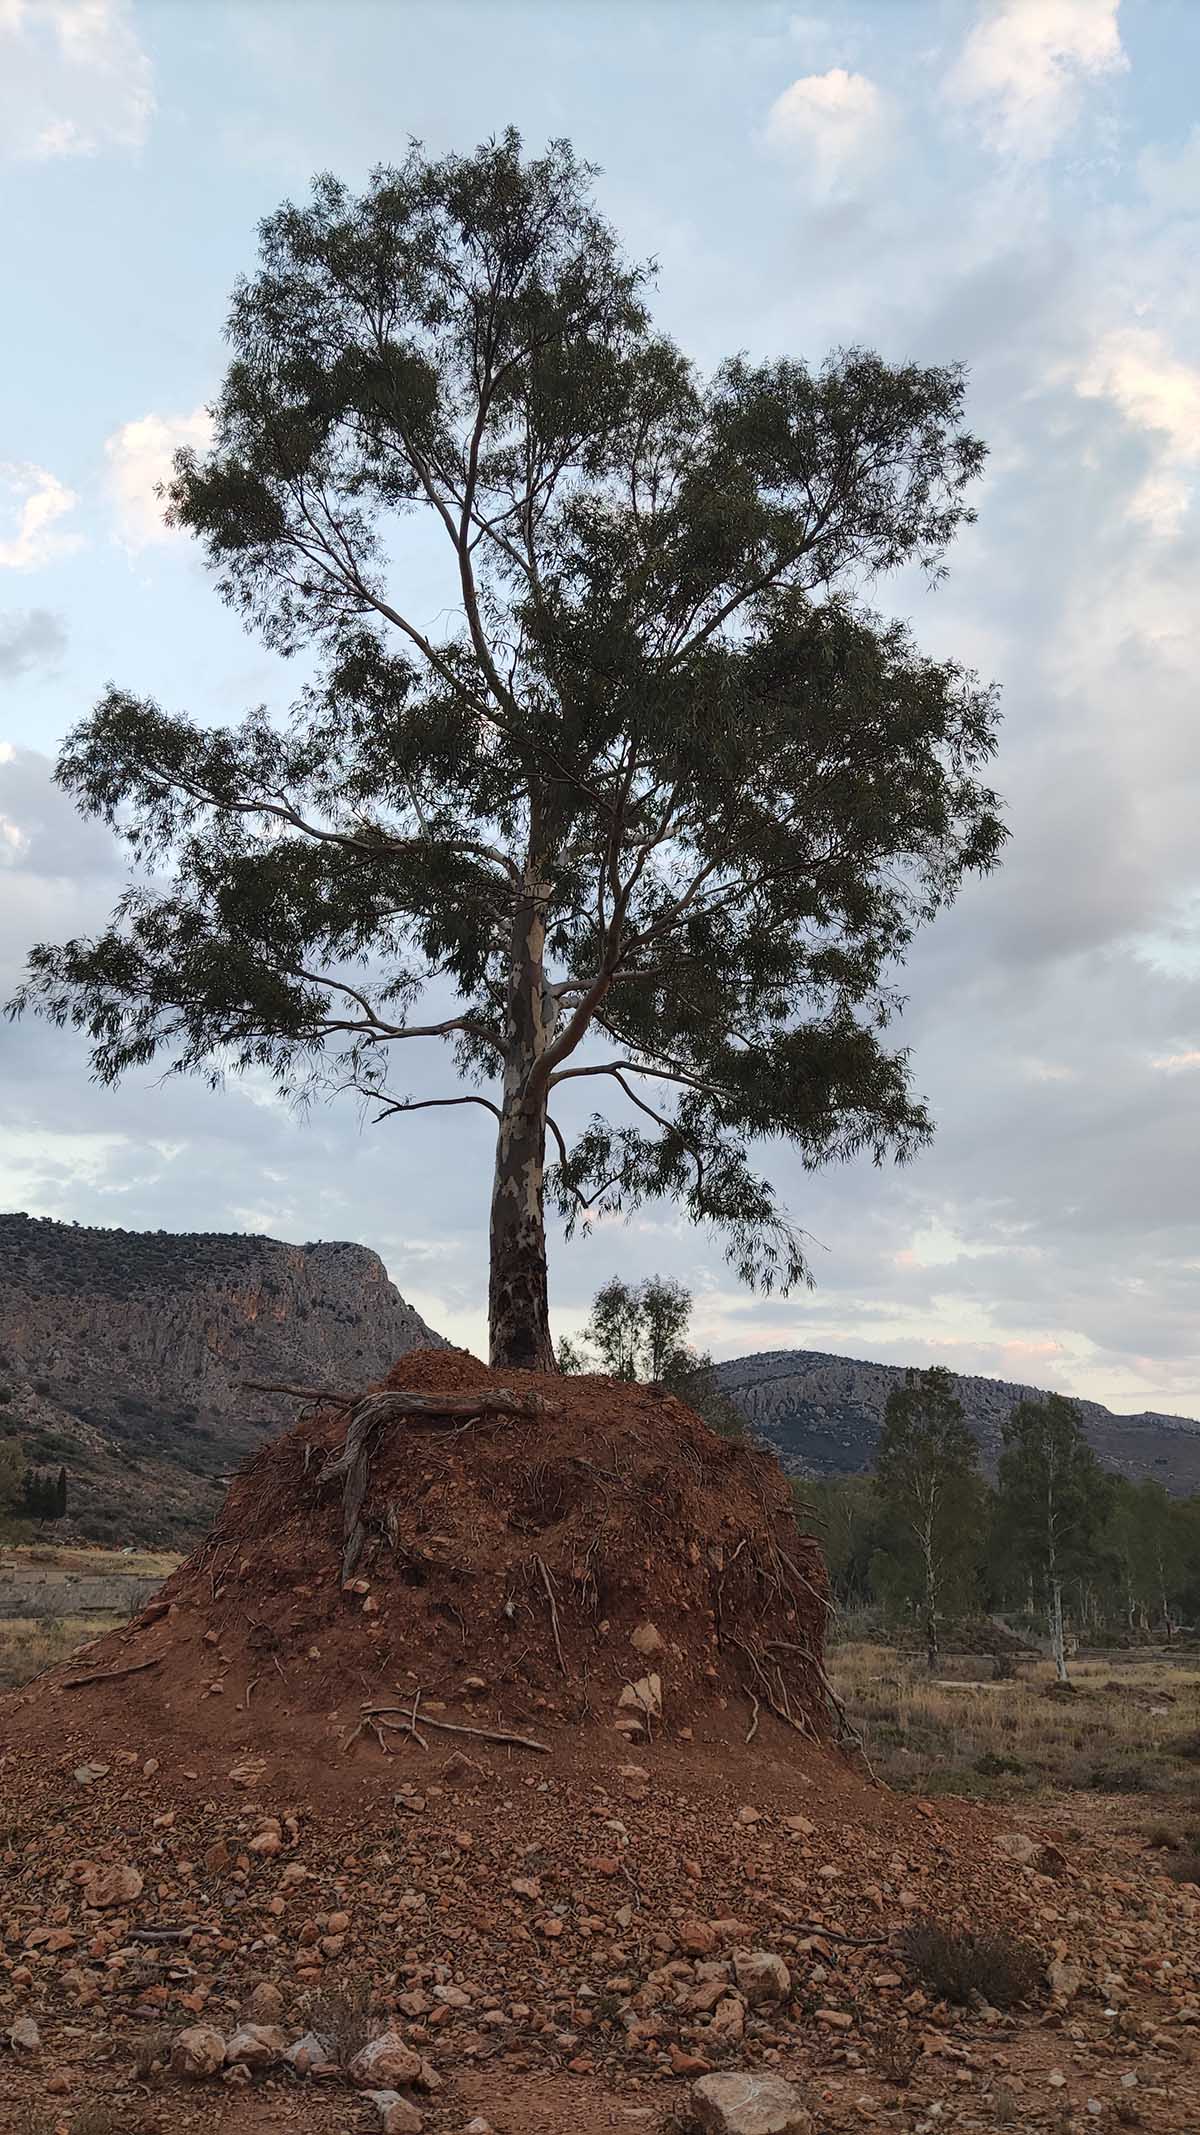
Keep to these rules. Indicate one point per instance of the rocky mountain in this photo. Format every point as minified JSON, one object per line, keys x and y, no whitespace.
{"x":822,"y":1415}
{"x":122,"y":1355}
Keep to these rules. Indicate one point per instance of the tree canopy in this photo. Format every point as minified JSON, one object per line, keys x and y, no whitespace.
{"x":655,"y":799}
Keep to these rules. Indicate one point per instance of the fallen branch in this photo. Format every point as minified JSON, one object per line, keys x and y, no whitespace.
{"x":832,"y":1934}
{"x":754,"y":1721}
{"x":112,"y":1675}
{"x":455,"y":1727}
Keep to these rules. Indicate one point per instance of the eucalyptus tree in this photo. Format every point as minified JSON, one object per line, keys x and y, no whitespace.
{"x":646,"y":801}
{"x":1052,"y":1501}
{"x":926,"y":1476}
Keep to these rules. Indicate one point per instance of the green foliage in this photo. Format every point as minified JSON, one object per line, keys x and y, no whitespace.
{"x":43,"y":1496}
{"x":1053,"y":1494}
{"x":638,"y":1331}
{"x":925,"y":1476}
{"x":12,"y":1477}
{"x":634,"y":1329}
{"x":667,"y":750}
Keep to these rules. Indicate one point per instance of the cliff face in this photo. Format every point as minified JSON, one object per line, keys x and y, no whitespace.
{"x":122,"y":1354}
{"x":822,"y":1415}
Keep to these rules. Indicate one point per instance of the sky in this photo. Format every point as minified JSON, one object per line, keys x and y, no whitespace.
{"x":1013,"y":184}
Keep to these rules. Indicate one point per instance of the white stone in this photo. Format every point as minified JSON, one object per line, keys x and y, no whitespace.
{"x":383,"y":2062}
{"x":644,"y":1696}
{"x":255,"y":2046}
{"x":395,"y":2115}
{"x":198,"y":2051}
{"x":740,"y":2103}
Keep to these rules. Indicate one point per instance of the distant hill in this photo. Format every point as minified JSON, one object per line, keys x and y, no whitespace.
{"x":122,"y":1353}
{"x":822,"y":1415}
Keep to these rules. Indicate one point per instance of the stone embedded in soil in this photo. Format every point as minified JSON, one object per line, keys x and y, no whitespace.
{"x":736,"y":2103}
{"x":23,"y":2036}
{"x":266,"y":2003}
{"x":761,"y":1976}
{"x":310,"y":2053}
{"x":395,"y":2115}
{"x":255,"y":2046}
{"x":197,"y":2052}
{"x":106,"y":1883}
{"x":384,"y":2062}
{"x":643,"y":1698}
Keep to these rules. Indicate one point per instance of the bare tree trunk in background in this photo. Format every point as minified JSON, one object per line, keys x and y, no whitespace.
{"x":1057,"y":1641}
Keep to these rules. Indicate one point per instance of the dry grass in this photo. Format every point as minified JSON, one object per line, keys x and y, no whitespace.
{"x":955,"y":1967}
{"x":28,"y":1644}
{"x":87,"y":1559}
{"x":1124,"y":1727}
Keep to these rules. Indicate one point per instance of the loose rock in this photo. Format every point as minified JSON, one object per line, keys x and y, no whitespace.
{"x":761,"y":1976}
{"x":739,"y":2103}
{"x":384,"y":2062}
{"x":396,"y":2116}
{"x":197,"y":2052}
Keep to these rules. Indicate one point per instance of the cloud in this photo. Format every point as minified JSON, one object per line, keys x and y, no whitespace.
{"x":833,"y":124}
{"x":32,"y":640}
{"x":1134,"y":371}
{"x":139,"y":457}
{"x":1025,"y":63}
{"x":37,"y":500}
{"x":73,"y":78}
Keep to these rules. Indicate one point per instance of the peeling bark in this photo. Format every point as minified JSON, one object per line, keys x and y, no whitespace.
{"x":518,"y":1304}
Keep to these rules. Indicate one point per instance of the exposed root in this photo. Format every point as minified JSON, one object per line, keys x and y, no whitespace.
{"x":548,"y":1583}
{"x":453,"y":1727}
{"x":370,"y":1415}
{"x":111,"y":1675}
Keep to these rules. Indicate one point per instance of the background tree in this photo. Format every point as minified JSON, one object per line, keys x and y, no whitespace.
{"x":662,"y":783}
{"x":925,"y":1468}
{"x":1052,"y":1501}
{"x":640,"y":1331}
{"x":845,"y":1511}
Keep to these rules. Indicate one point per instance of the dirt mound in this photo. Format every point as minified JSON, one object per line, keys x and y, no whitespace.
{"x":597,"y":1557}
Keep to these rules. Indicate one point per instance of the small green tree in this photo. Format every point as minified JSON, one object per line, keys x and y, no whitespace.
{"x":639,"y":1331}
{"x":662,"y":805}
{"x":1051,"y":1503}
{"x":634,"y":1328}
{"x":925,"y":1470}
{"x":12,"y":1476}
{"x":846,"y":1514}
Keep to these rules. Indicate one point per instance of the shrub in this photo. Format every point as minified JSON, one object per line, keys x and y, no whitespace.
{"x":1186,"y":1869}
{"x":991,"y":1766}
{"x":956,"y":1965}
{"x":1120,"y":1779}
{"x":344,"y":2012}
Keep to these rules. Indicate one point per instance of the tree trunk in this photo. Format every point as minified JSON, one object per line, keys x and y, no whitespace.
{"x":931,"y":1609}
{"x":1057,"y":1641}
{"x":518,"y":1307}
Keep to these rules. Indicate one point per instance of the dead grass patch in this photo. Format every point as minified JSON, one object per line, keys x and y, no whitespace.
{"x":956,"y":1965}
{"x":1128,"y":1725}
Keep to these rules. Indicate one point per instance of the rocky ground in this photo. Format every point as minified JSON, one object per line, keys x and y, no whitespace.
{"x":563,"y":1948}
